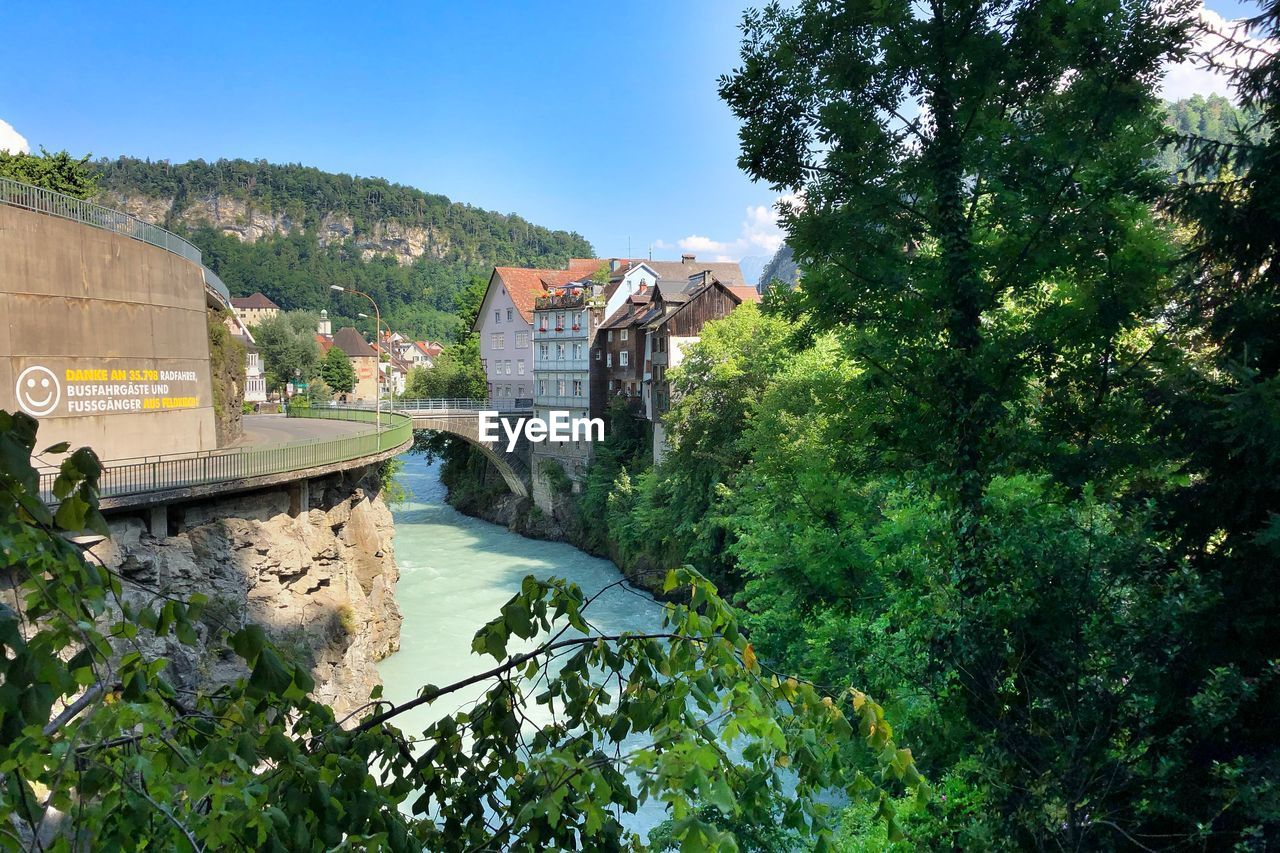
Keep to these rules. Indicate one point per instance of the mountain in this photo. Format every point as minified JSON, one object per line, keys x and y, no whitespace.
{"x":752,"y":266}
{"x":291,"y":231}
{"x":781,"y":267}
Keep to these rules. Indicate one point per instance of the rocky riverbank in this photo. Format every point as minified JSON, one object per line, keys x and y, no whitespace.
{"x":319,"y":578}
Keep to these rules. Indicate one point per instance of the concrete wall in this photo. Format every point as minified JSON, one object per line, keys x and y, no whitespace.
{"x":103,"y":338}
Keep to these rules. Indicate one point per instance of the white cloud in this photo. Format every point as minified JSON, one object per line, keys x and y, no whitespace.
{"x":760,"y":234}
{"x":1190,"y":77}
{"x":11,"y":140}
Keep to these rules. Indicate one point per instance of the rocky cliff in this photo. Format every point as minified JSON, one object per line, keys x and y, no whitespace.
{"x":240,"y":219}
{"x":321,"y":581}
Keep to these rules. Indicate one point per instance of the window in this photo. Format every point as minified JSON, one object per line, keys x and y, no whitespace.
{"x":542,"y":322}
{"x":597,"y":354}
{"x":508,"y":315}
{"x":610,"y":337}
{"x":559,"y":387}
{"x":497,"y":341}
{"x":577,"y":350}
{"x":577,"y":387}
{"x":497,"y":316}
{"x":622,"y":358}
{"x":560,"y":321}
{"x":542,"y":387}
{"x":623,"y":334}
{"x":577,"y":320}
{"x":544,"y":351}
{"x":559,"y":352}
{"x":520,"y":366}
{"x":608,"y":360}
{"x":522,"y":340}
{"x":519,"y":390}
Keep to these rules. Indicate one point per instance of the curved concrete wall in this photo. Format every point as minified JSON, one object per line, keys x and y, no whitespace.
{"x":103,"y":338}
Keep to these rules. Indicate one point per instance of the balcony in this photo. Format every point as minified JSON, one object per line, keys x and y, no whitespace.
{"x":559,"y":401}
{"x":565,"y":300}
{"x":579,"y":364}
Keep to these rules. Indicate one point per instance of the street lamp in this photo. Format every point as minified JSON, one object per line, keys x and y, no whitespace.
{"x":377,"y":406}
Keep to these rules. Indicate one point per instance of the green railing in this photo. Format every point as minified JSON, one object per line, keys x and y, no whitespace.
{"x":151,"y":474}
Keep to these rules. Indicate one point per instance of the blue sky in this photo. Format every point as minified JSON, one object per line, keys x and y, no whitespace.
{"x":598,"y":117}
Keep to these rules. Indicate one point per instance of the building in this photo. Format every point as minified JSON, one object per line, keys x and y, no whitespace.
{"x":254,"y":309}
{"x":617,"y":358}
{"x":364,"y":360}
{"x":255,"y":381}
{"x":676,"y":313}
{"x":564,"y":326}
{"x":505,"y":322}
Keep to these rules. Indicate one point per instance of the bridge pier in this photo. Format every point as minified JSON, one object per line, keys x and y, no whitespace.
{"x":158,"y":520}
{"x":299,"y":498}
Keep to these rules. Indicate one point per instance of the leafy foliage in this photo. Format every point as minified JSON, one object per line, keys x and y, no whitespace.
{"x":337,"y":372}
{"x":288,"y":347}
{"x":59,"y":172}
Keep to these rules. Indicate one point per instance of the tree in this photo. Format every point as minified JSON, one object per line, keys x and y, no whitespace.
{"x":288,"y":347}
{"x":337,"y":372}
{"x":96,"y":744}
{"x":59,"y":172}
{"x":457,"y":375}
{"x":976,"y":230}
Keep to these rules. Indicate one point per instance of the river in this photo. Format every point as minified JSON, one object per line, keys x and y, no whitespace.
{"x":456,"y":572}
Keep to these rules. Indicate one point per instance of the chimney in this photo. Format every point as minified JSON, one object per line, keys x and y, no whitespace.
{"x":688,"y":259}
{"x":614,"y":264}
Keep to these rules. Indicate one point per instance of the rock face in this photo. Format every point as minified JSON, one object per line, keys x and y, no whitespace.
{"x":233,"y":216}
{"x":321,"y":582}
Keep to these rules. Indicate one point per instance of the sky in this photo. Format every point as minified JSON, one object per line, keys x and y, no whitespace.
{"x":595,"y":117}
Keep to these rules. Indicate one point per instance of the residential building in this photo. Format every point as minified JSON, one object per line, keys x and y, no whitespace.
{"x":364,"y":360}
{"x":617,"y":358}
{"x":677,"y":312}
{"x":254,"y":309}
{"x":505,"y":322}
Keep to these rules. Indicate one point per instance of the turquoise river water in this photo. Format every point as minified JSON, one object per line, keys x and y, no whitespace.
{"x":456,"y":572}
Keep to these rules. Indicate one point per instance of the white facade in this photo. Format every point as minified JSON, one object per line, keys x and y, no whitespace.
{"x":255,"y":382}
{"x":505,"y":345}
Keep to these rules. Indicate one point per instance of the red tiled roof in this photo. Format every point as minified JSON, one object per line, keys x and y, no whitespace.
{"x":744,"y":294}
{"x":525,"y":285}
{"x":257,"y":300}
{"x":325,"y":343}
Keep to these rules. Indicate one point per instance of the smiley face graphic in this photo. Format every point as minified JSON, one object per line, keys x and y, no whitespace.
{"x":37,"y":391}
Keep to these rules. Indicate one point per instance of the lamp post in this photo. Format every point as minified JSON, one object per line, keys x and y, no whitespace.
{"x":377,"y":400}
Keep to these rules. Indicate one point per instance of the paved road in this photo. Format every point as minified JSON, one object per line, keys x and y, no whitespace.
{"x":277,"y":429}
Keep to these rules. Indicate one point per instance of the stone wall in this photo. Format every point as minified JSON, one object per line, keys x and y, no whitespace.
{"x":320,"y":580}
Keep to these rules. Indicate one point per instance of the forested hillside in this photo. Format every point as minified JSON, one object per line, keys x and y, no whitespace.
{"x":291,"y":231}
{"x":1213,"y":119}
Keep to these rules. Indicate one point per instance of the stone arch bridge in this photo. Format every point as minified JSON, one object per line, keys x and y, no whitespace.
{"x":462,"y":419}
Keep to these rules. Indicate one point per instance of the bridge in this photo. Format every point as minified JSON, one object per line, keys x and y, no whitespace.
{"x":461,"y":418}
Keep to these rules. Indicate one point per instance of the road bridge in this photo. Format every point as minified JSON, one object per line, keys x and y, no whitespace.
{"x":461,"y":418}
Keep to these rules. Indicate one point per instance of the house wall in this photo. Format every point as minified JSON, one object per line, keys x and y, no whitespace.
{"x":502,"y":384}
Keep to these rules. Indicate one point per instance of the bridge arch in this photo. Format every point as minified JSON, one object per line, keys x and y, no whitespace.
{"x":464,"y":423}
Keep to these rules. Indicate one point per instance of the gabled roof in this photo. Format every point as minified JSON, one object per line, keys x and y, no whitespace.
{"x":349,"y":340}
{"x":257,"y":300}
{"x":325,"y":342}
{"x":728,"y":273}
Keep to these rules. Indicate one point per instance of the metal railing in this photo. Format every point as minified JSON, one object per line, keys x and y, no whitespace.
{"x":149,"y":474}
{"x":88,"y":213}
{"x":515,"y":404}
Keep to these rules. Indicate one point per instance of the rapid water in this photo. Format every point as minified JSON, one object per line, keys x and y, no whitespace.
{"x":456,"y":572}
